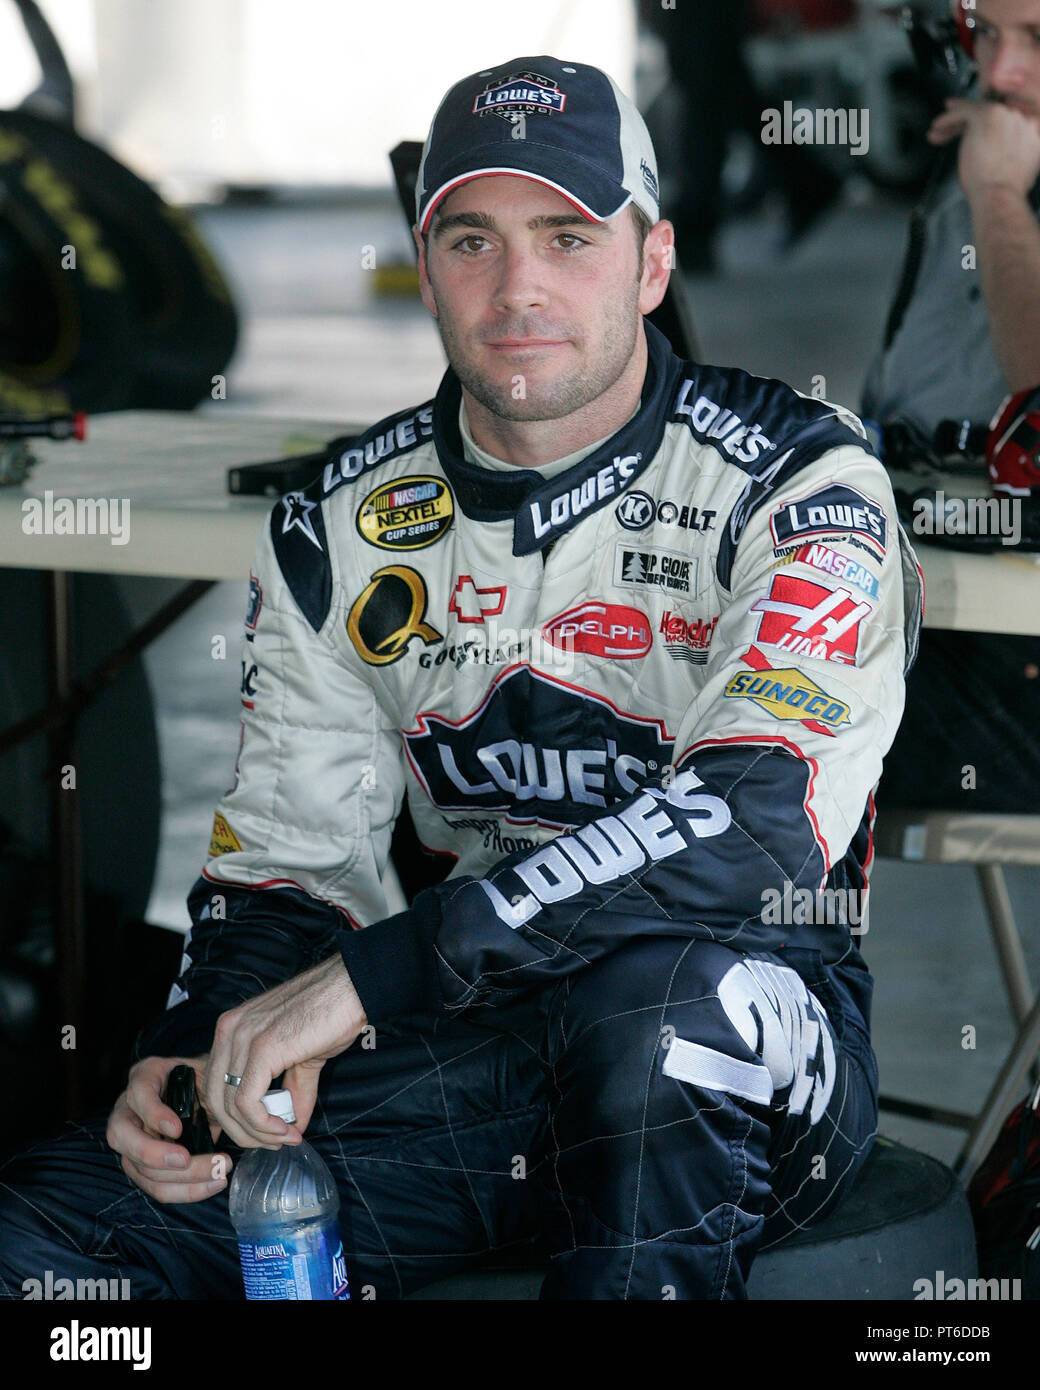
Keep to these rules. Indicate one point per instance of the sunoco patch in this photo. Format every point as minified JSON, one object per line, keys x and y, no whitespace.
{"x":406,"y":514}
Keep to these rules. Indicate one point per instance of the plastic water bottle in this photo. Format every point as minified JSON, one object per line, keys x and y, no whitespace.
{"x":284,"y":1206}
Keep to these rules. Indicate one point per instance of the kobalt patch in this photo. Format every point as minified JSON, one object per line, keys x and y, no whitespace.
{"x":637,"y":509}
{"x":406,"y":514}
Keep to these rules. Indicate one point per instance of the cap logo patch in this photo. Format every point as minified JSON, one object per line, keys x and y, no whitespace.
{"x":649,"y":180}
{"x":524,"y":92}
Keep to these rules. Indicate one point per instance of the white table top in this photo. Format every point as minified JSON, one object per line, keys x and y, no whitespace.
{"x":183,"y":522}
{"x":172,"y":467}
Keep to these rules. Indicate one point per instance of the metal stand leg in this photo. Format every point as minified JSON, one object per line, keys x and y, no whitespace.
{"x":1001,"y":1099}
{"x":66,"y":837}
{"x":1007,"y":939}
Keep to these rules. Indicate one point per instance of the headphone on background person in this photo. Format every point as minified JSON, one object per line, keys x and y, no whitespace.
{"x":964,"y":16}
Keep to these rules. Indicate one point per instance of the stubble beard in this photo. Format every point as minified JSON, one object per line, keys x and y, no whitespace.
{"x":562,"y":395}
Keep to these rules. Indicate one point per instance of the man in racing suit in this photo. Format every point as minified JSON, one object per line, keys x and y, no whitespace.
{"x":637,"y":624}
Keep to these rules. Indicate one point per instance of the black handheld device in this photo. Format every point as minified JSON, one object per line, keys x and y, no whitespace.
{"x":181,"y":1098}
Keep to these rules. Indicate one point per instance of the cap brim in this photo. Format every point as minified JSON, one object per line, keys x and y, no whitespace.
{"x":596,"y":199}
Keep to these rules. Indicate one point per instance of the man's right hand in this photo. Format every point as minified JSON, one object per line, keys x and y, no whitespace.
{"x":143,"y":1131}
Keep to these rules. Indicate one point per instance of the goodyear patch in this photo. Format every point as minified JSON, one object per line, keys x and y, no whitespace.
{"x":406,"y":514}
{"x":788,"y":694}
{"x":223,"y":840}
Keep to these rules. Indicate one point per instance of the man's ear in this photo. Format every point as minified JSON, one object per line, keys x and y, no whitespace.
{"x":425,"y":288}
{"x":658,"y":264}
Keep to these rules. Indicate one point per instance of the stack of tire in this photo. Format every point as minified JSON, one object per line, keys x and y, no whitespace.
{"x":109,"y":298}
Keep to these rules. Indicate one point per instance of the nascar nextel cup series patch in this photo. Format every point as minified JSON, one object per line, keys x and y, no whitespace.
{"x":406,"y":514}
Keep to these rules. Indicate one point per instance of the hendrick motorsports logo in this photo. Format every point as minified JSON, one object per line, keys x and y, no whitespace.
{"x":406,"y":514}
{"x":787,"y":694}
{"x":387,"y":614}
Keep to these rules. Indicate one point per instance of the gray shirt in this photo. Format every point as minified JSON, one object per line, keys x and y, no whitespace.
{"x":940,"y":364}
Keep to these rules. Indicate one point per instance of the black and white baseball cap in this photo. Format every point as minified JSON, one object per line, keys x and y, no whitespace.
{"x":566,"y":125}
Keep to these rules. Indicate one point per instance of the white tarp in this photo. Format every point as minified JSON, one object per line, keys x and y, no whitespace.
{"x":199,"y":92}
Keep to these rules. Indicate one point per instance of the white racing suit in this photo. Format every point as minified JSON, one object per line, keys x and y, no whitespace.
{"x":639,"y":709}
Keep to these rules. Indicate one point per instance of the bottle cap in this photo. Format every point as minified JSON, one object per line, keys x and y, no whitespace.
{"x":280,"y":1104}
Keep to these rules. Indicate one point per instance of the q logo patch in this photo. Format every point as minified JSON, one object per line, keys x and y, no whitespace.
{"x":388,"y":614}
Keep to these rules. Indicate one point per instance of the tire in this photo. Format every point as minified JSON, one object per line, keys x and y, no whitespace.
{"x":189,"y":324}
{"x":63,"y":332}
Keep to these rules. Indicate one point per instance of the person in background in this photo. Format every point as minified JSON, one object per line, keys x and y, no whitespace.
{"x":964,"y":332}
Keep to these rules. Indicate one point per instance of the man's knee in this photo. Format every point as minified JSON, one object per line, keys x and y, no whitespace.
{"x":668,"y":1024}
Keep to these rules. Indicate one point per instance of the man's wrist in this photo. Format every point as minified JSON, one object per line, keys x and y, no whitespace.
{"x":392,"y":964}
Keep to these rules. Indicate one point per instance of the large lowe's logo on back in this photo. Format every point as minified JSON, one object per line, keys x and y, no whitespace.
{"x":538,"y":747}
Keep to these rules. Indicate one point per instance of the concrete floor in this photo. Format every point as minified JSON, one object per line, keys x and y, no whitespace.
{"x":317,"y":343}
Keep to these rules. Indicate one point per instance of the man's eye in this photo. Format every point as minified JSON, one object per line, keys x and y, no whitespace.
{"x":466,"y":244}
{"x":574,"y":241}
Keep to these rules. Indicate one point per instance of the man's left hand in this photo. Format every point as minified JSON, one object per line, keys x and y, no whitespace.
{"x":295,"y":1027}
{"x":1000,"y":145}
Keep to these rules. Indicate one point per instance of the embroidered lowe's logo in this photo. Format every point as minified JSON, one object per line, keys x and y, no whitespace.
{"x":522,"y":91}
{"x":833,"y":509}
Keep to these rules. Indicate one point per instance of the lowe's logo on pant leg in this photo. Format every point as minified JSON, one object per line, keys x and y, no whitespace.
{"x":610,"y":848}
{"x":773,"y":1011}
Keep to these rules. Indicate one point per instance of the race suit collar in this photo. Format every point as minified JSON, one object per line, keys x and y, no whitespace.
{"x":543,"y":509}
